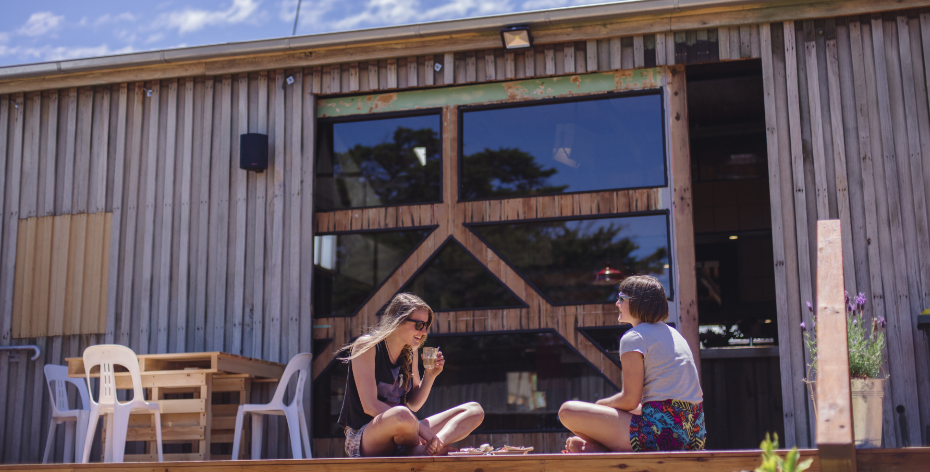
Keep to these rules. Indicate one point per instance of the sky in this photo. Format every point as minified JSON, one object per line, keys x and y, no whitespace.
{"x":51,"y":30}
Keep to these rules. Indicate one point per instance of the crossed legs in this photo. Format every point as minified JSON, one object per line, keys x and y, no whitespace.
{"x":400,"y":427}
{"x":597,"y":428}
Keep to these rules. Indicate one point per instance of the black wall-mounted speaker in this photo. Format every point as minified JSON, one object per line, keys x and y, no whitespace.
{"x":253,"y":152}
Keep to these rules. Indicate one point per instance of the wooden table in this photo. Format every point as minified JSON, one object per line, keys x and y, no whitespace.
{"x":184,"y":384}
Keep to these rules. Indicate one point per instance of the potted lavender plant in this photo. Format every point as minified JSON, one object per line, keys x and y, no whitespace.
{"x":866,"y":356}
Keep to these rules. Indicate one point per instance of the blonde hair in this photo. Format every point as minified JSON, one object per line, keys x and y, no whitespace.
{"x":648,"y":302}
{"x":391,"y":317}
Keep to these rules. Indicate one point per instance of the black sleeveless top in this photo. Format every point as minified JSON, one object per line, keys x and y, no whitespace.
{"x":390,"y":389}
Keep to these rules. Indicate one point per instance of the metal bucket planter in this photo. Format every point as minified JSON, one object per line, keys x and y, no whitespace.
{"x":867,"y":395}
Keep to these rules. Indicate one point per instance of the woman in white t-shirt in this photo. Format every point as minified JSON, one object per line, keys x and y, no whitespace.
{"x":660,"y":407}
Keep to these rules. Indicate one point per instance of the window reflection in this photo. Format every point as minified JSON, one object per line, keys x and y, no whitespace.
{"x":375,"y":162}
{"x":519,"y":378}
{"x":454,"y":280}
{"x":560,"y":257}
{"x":347,"y":268}
{"x":551,"y":148}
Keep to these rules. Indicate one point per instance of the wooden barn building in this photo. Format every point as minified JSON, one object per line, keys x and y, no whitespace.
{"x":695,"y":140}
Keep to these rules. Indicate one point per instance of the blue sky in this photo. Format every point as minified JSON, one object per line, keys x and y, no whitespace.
{"x":48,"y":30}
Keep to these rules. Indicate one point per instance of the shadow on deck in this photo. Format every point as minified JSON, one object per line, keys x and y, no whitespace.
{"x":884,"y":460}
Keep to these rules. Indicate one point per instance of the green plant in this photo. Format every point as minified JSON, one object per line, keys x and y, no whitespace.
{"x":772,"y":463}
{"x":866,"y":340}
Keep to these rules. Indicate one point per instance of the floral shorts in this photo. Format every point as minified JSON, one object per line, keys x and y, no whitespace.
{"x":354,"y":443}
{"x":668,"y":425}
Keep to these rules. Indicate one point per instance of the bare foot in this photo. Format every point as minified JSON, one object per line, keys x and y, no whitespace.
{"x":576,"y":445}
{"x":420,"y":450}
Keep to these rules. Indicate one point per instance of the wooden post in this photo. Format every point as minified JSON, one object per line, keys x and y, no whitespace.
{"x":834,"y":405}
{"x":682,"y":211}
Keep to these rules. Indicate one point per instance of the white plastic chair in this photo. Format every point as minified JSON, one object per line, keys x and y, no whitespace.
{"x":296,"y":419}
{"x":56,"y":376}
{"x":107,"y":356}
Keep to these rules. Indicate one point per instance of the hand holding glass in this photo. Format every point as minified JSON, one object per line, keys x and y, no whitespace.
{"x":429,"y":357}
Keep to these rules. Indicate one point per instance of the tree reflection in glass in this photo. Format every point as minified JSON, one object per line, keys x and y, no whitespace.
{"x":454,"y":280}
{"x":388,"y":161}
{"x":560,"y":257}
{"x":555,"y":147}
{"x":347,"y":268}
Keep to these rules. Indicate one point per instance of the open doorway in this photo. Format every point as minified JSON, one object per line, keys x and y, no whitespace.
{"x":733,"y":253}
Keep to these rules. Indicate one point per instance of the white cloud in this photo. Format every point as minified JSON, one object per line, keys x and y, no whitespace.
{"x":311,"y":11}
{"x":531,"y":5}
{"x":108,"y":18}
{"x":392,"y":12}
{"x":127,"y":36}
{"x":40,"y":23}
{"x":57,"y":53}
{"x":189,"y":20}
{"x":153,"y":38}
{"x":4,"y":37}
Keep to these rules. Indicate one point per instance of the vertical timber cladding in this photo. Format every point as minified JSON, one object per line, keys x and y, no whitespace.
{"x":133,"y":188}
{"x":862,"y":82}
{"x":450,"y":215}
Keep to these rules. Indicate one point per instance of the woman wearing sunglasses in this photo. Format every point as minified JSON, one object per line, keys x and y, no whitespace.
{"x":384,"y":389}
{"x":660,"y":407}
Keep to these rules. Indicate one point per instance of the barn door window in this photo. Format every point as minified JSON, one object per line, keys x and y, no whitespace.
{"x":348,"y":268}
{"x":560,"y":146}
{"x":378,"y":161}
{"x":558,"y":256}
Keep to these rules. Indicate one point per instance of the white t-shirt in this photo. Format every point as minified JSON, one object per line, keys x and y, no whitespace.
{"x":670,"y":373}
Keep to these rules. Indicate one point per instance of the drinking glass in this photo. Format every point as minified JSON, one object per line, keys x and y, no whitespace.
{"x":429,"y":357}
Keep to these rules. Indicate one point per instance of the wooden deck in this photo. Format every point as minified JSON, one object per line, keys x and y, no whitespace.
{"x":878,"y":460}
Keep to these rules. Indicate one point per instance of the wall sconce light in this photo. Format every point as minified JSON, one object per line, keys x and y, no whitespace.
{"x":516,"y":37}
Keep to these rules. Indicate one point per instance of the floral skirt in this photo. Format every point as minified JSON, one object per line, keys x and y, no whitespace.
{"x":668,"y":425}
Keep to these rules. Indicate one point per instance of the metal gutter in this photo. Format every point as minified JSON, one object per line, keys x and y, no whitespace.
{"x":390,"y":33}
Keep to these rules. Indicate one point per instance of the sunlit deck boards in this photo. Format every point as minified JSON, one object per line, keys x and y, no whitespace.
{"x":884,"y":460}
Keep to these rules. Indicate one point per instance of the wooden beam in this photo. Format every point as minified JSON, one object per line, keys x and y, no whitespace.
{"x":834,"y":405}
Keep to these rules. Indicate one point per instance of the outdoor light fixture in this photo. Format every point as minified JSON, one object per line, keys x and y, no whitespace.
{"x":516,"y":37}
{"x":734,"y":237}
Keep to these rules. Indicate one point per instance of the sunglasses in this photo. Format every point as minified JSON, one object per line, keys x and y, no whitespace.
{"x":419,"y":325}
{"x":623,"y":296}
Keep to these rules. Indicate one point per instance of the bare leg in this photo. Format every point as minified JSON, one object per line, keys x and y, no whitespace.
{"x":601,"y":426}
{"x":455,"y":423}
{"x":397,"y":426}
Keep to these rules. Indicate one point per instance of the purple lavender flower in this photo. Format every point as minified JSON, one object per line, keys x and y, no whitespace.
{"x":810,"y":307}
{"x":860,"y":300}
{"x":847,"y":296}
{"x":803,"y":326}
{"x":855,"y":322}
{"x":881,"y":322}
{"x":850,"y":308}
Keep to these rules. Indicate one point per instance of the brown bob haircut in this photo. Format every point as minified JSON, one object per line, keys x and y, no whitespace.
{"x":648,"y":302}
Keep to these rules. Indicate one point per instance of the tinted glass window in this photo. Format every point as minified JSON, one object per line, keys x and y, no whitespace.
{"x":454,"y":280}
{"x":608,"y":143}
{"x":520,"y":379}
{"x":561,"y":257}
{"x":378,"y":162}
{"x":347,"y":268}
